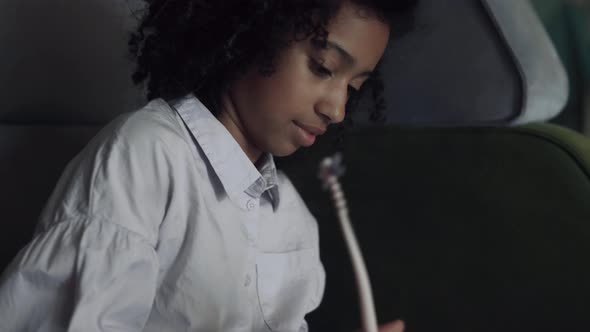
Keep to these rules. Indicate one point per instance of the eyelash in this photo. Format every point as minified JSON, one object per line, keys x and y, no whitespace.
{"x":319,"y":69}
{"x":323,"y":72}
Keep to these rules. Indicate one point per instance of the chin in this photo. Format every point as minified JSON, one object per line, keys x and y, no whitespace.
{"x":284,"y":151}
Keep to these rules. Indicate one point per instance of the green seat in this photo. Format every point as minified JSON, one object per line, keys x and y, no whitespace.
{"x":481,"y":229}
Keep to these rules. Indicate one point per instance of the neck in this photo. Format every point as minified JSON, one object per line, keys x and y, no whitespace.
{"x":228,"y":116}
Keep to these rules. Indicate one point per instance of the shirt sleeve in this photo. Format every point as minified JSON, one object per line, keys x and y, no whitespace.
{"x":84,"y":275}
{"x":304,"y":327}
{"x":92,"y":265}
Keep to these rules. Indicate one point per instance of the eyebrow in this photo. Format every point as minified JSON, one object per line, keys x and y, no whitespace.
{"x":345,"y":55}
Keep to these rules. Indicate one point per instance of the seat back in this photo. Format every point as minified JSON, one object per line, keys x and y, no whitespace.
{"x":462,"y":229}
{"x":472,"y":63}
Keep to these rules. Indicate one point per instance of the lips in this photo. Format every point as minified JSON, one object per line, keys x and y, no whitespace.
{"x":307,"y":133}
{"x":313,"y":130}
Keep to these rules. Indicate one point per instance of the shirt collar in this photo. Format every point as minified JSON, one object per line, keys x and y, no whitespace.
{"x":267,"y":181}
{"x":235,"y":170}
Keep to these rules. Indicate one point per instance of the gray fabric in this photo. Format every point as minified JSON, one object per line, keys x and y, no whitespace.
{"x":472,"y":62}
{"x":65,"y":62}
{"x":544,"y":78}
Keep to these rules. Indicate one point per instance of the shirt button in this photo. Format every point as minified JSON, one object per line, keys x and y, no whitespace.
{"x":250,"y":205}
{"x":247,"y":281}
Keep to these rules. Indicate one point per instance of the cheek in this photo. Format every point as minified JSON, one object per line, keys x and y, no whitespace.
{"x":283,"y":97}
{"x":291,"y":83}
{"x":266,"y":119}
{"x":275,"y":101}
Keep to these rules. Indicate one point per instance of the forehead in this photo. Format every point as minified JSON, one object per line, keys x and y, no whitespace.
{"x":359,"y":32}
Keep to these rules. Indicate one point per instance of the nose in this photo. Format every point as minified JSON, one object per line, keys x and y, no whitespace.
{"x":332,"y":106}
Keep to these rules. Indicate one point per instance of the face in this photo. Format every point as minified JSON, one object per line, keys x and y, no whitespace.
{"x":308,"y":90}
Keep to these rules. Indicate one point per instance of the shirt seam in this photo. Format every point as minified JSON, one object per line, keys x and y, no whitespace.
{"x":86,"y":219}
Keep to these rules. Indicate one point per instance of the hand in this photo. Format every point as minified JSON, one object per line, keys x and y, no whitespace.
{"x":394,"y":326}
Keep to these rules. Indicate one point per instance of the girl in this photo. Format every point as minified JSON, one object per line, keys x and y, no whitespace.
{"x":174,"y":218}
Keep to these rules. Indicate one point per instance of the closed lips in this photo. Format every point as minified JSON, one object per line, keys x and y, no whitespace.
{"x":316,"y":131}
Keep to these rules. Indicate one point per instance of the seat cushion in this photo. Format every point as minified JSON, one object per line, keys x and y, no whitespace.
{"x":462,"y":229}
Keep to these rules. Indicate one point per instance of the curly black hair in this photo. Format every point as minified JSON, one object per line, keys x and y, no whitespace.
{"x":198,"y":46}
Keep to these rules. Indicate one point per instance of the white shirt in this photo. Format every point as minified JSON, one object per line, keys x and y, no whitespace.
{"x":162,"y":223}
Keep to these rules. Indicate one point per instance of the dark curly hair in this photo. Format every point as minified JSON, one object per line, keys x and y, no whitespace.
{"x":198,"y":46}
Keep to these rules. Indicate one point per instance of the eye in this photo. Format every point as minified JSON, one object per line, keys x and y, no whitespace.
{"x":318,"y":68}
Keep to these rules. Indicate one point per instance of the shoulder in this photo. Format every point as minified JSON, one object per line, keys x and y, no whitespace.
{"x":154,"y":124}
{"x":137,"y":148}
{"x":144,"y":135}
{"x":125,"y":174}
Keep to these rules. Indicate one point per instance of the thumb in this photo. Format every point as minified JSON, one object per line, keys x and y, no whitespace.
{"x":395,"y":326}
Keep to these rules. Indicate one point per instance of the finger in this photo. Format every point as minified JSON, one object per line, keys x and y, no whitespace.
{"x":395,"y":326}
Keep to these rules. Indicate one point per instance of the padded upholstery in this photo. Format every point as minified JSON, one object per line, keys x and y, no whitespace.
{"x":66,"y":62}
{"x":462,"y":229}
{"x":477,"y":62}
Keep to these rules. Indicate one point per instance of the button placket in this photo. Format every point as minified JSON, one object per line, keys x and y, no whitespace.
{"x":250,"y":222}
{"x":251,"y":204}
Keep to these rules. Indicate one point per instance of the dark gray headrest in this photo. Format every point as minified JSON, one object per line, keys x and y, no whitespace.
{"x":65,"y":62}
{"x":473,"y":62}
